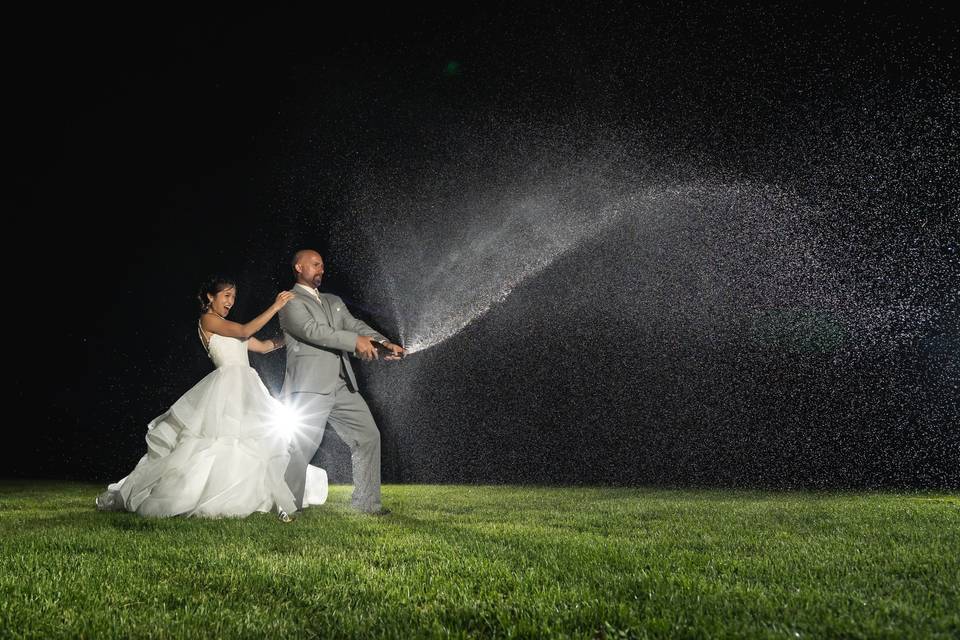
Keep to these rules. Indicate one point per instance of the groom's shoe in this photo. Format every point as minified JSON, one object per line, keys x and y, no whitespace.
{"x":109,"y":501}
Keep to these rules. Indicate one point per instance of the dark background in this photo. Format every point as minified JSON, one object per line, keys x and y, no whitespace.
{"x":151,"y":149}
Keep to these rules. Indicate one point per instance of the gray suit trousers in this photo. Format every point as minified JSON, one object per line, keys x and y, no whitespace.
{"x":348,"y":414}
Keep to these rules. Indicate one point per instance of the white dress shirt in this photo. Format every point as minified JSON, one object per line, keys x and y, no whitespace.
{"x":313,"y":292}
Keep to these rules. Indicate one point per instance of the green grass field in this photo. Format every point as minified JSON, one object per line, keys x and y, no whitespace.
{"x":467,"y":561}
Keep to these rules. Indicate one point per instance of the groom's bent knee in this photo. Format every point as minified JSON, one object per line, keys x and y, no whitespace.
{"x":370,"y":437}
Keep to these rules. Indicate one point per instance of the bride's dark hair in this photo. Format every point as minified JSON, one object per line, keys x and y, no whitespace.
{"x":213,"y":285}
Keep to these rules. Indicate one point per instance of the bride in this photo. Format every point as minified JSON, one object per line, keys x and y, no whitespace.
{"x":223,"y":447}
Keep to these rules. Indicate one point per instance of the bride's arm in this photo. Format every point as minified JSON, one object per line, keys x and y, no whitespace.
{"x":230,"y":329}
{"x":264,"y":346}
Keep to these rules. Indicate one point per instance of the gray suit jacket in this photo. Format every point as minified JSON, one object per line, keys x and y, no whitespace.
{"x":320,"y":338}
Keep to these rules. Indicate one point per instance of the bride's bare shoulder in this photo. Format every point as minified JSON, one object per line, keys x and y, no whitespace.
{"x":206,"y":322}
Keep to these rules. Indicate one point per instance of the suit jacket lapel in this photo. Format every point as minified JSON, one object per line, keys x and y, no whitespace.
{"x":316,"y":305}
{"x":327,"y":310}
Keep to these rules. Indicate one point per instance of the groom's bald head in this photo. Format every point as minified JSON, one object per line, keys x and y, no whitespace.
{"x":308,"y":267}
{"x":301,"y":256}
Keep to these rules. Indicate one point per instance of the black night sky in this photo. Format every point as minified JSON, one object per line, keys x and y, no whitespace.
{"x":647,"y":243}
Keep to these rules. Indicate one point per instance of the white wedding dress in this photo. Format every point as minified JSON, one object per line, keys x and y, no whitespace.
{"x":220,"y":451}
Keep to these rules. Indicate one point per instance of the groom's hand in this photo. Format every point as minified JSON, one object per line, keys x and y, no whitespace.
{"x":365,"y":348}
{"x":396,"y":351}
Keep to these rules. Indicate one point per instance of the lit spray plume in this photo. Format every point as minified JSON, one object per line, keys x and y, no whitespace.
{"x":748,"y":251}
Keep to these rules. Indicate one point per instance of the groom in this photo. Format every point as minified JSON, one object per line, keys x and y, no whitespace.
{"x":319,"y":382}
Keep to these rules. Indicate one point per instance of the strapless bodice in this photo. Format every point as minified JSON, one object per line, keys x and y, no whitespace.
{"x":228,"y":352}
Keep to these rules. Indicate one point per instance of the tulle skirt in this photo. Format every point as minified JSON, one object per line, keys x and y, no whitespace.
{"x":221,"y":450}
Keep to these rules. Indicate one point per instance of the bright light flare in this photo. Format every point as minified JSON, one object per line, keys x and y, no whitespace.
{"x":286,"y":419}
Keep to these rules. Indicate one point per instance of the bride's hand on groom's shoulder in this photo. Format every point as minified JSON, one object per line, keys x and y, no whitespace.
{"x":282,"y":299}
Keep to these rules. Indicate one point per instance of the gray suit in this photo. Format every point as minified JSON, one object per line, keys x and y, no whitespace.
{"x":319,"y":383}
